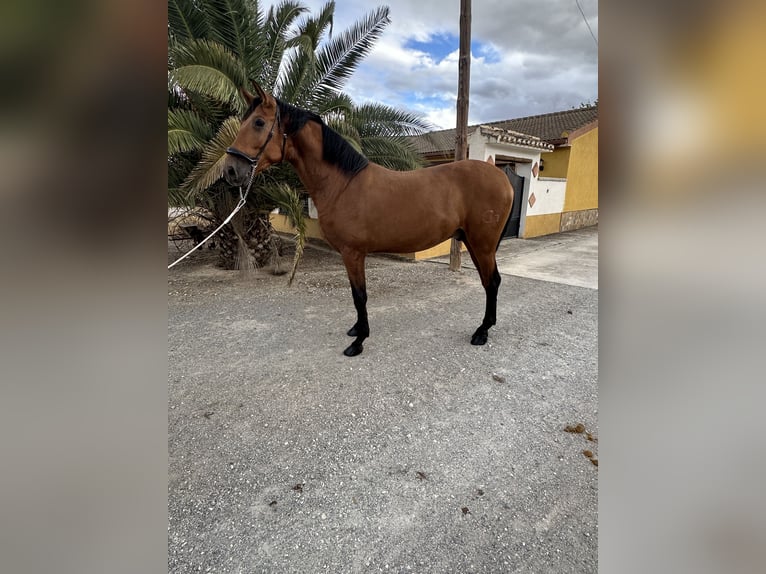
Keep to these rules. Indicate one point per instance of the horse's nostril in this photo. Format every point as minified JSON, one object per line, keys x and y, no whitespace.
{"x":231,"y":173}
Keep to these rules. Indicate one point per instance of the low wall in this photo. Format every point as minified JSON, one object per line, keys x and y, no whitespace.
{"x":571,"y":220}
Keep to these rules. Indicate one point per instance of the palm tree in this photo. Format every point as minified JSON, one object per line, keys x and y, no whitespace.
{"x":216,"y":47}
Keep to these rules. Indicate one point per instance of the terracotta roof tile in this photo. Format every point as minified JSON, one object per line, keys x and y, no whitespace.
{"x":552,"y":128}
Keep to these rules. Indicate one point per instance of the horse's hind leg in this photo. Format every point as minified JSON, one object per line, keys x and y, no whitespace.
{"x":354,"y":262}
{"x":490,"y":314}
{"x":486,"y":265}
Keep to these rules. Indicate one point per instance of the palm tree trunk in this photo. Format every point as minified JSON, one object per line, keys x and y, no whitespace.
{"x":249,"y":241}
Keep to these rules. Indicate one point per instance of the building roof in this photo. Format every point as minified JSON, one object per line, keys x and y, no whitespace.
{"x":554,"y":127}
{"x":533,"y":131}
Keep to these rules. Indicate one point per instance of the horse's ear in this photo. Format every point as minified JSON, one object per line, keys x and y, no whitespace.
{"x":267,"y":100}
{"x":247,"y":95}
{"x":258,"y":89}
{"x":491,"y":160}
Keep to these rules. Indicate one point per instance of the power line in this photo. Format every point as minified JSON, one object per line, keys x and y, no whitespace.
{"x":586,"y":22}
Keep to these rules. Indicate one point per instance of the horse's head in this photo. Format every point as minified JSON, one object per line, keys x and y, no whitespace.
{"x":259,"y":142}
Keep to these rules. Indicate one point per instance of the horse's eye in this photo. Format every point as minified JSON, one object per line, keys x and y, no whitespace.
{"x":259,"y":123}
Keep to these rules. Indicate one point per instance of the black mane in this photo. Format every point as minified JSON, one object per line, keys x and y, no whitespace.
{"x":335,"y":149}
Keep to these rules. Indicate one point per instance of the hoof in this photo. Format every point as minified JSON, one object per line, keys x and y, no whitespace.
{"x":353,"y":350}
{"x":479,"y":337}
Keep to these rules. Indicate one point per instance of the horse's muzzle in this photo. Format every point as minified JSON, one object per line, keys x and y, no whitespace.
{"x":236,"y":171}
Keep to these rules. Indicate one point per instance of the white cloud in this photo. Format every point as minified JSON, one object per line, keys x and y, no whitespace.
{"x":442,"y":117}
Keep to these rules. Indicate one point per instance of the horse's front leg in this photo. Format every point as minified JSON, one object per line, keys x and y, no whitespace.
{"x":354,"y":262}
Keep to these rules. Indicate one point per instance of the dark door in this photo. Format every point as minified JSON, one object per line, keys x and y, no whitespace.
{"x":517,"y":181}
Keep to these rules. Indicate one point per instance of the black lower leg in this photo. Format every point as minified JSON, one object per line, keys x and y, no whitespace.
{"x":361,"y":329}
{"x":490,"y":314}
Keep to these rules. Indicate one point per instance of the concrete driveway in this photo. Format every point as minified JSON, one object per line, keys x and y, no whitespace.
{"x":570,"y":258}
{"x":423,"y":454}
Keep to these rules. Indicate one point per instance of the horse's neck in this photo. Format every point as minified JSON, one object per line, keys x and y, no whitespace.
{"x":323,"y":181}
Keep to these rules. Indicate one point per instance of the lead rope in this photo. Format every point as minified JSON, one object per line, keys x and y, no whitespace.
{"x":240,"y":205}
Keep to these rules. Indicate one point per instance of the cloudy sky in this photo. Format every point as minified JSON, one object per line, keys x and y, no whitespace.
{"x":528,"y":57}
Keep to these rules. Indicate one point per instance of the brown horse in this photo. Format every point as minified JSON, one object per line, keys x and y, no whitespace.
{"x":365,"y":208}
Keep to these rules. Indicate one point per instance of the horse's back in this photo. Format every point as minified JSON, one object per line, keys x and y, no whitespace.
{"x":472,"y":173}
{"x":481,"y":185}
{"x":460,"y":178}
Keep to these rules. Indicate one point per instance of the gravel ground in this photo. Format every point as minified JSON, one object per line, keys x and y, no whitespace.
{"x":423,"y":454}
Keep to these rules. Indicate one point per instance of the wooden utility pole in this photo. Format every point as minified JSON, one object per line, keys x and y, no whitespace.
{"x":463,"y":88}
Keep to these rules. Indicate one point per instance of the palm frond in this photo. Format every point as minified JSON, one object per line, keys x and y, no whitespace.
{"x":277,"y":37}
{"x":297,"y":74}
{"x":180,"y":166}
{"x":380,"y":120}
{"x":187,"y":131}
{"x":209,"y":68}
{"x":393,"y":153}
{"x":177,"y":99}
{"x":208,"y":81}
{"x":340,"y":57}
{"x":289,"y":201}
{"x":235,"y":24}
{"x":314,"y":27}
{"x":186,"y":20}
{"x":332,"y":104}
{"x":210,"y":167}
{"x":177,"y":197}
{"x":181,"y":140}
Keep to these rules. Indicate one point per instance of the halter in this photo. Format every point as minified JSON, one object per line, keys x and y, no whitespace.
{"x":253,"y":161}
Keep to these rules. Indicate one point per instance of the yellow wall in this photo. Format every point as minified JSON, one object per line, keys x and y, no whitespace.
{"x":536,"y":225}
{"x":555,"y":162}
{"x":282,"y":224}
{"x":439,"y":250}
{"x":582,"y":179}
